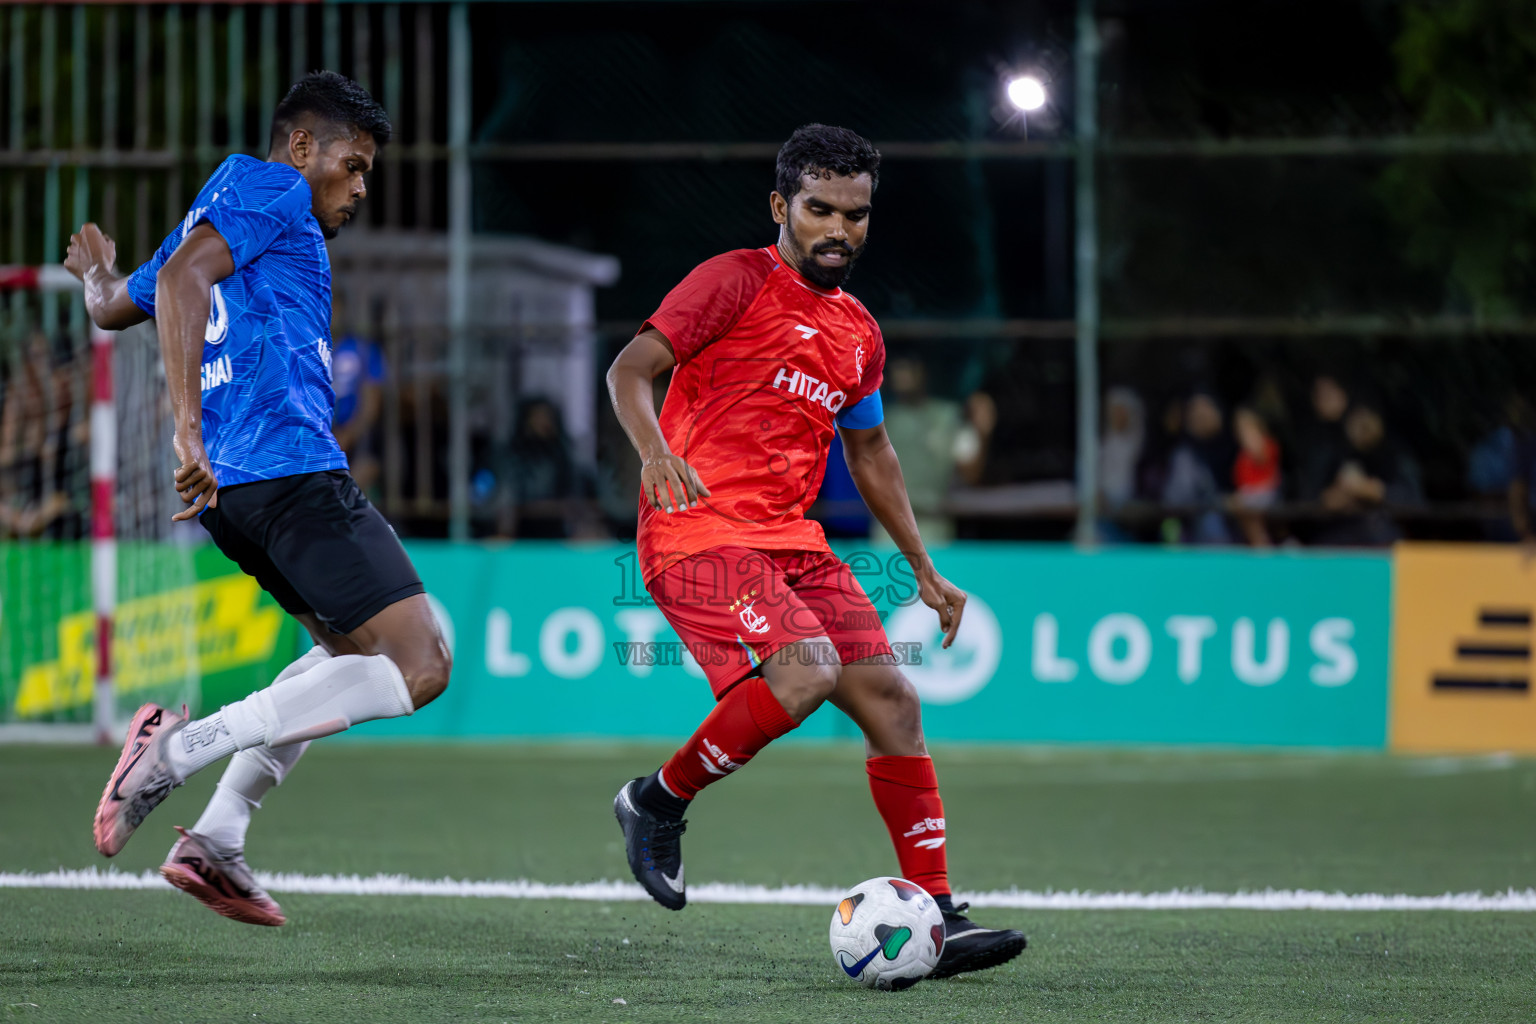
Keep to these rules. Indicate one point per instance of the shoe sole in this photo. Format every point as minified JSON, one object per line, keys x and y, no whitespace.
{"x":108,"y":844}
{"x":982,"y":959}
{"x":192,"y":884}
{"x":618,"y":815}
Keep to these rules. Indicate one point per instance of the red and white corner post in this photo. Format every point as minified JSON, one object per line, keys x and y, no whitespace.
{"x":103,"y":527}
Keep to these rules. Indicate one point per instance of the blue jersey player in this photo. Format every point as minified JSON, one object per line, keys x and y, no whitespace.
{"x":241,"y":296}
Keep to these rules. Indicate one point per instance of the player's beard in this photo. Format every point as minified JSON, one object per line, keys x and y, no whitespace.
{"x":818,"y":275}
{"x":329,"y":232}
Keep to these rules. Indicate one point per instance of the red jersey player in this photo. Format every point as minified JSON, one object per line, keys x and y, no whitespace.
{"x":769,"y":356}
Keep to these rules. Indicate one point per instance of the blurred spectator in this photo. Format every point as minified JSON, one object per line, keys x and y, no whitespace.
{"x":617,"y":481}
{"x":1120,"y":451}
{"x":1497,"y":466}
{"x":1031,"y":422}
{"x":542,"y":475}
{"x":1255,"y":474}
{"x":1200,"y":472}
{"x":1522,"y":475}
{"x":1121,"y":446}
{"x":975,"y":440}
{"x":1269,"y":401}
{"x":1372,"y":472}
{"x":1321,"y":441}
{"x":1493,"y":462}
{"x":42,"y":438}
{"x":357,"y":376}
{"x":1157,"y":454}
{"x":929,"y":437}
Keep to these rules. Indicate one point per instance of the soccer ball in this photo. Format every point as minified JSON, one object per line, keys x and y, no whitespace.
{"x":887,"y":933}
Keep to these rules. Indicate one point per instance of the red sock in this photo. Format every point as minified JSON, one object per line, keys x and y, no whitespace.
{"x":906,"y":791}
{"x":747,"y":719}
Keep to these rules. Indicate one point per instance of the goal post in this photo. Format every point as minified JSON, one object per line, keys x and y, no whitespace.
{"x":103,"y":527}
{"x":85,"y":501}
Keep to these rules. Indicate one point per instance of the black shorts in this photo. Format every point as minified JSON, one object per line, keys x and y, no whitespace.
{"x":316,"y":544}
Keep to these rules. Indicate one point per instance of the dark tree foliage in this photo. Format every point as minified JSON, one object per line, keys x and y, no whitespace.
{"x":1468,"y":67}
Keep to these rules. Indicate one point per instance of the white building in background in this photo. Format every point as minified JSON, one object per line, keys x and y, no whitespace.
{"x":532,"y":331}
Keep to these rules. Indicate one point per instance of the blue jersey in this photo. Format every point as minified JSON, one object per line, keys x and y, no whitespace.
{"x":267,"y":398}
{"x":355,"y":364}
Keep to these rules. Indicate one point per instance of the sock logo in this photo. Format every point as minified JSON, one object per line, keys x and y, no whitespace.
{"x":716,"y":756}
{"x":926,"y":825}
{"x":204,"y":735}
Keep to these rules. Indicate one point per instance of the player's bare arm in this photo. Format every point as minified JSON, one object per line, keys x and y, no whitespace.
{"x":876,"y":472}
{"x":181,"y":312}
{"x":92,"y":259}
{"x":667,"y":481}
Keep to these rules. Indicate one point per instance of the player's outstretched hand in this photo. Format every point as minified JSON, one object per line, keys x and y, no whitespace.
{"x":945,"y":598}
{"x":195,"y":482}
{"x":90,"y":248}
{"x":670,"y":484}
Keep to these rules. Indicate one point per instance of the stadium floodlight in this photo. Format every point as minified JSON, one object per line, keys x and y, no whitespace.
{"x":1026,"y":92}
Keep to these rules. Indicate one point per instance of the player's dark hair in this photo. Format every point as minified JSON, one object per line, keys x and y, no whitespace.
{"x":336,"y":101}
{"x":825,"y":150}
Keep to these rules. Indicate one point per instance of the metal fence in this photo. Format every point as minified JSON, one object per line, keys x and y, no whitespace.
{"x":1162,"y":238}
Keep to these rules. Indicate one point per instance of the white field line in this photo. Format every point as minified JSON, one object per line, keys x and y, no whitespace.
{"x":799,"y":895}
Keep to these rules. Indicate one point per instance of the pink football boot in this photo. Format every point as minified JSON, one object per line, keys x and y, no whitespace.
{"x":142,"y":778}
{"x":221,"y":882}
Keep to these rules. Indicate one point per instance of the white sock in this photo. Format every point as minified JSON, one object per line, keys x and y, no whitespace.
{"x":250,"y":774}
{"x":327,"y":698}
{"x":306,"y":661}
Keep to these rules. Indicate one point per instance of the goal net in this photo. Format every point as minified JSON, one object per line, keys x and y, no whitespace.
{"x":99,"y":591}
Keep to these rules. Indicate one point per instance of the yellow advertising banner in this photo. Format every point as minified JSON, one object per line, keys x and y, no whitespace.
{"x":1461,"y":649}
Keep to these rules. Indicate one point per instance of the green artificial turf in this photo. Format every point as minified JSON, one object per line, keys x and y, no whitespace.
{"x":1107,"y":821}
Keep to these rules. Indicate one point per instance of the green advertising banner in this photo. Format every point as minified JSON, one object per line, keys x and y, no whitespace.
{"x":189,"y":628}
{"x":1118,"y":646}
{"x":550,"y":640}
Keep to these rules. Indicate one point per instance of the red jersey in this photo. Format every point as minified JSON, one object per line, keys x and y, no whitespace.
{"x":765,"y":360}
{"x":1251,"y":474}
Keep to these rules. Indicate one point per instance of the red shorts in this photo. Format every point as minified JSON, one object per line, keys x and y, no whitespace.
{"x":735,"y":607}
